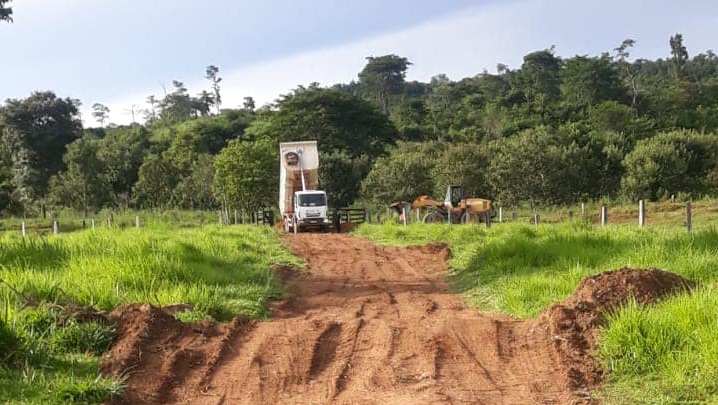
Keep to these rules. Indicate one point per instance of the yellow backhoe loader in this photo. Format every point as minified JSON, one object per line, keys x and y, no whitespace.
{"x":456,"y":207}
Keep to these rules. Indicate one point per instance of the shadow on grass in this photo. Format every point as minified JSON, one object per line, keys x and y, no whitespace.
{"x":34,"y":254}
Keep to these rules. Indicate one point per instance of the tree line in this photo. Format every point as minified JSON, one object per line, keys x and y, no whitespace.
{"x":552,"y":131}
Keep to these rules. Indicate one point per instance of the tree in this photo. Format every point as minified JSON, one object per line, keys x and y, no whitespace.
{"x":383,"y":76}
{"x":403,"y":175}
{"x":5,"y":11}
{"x":340,"y":175}
{"x":679,"y":56}
{"x":211,"y":74}
{"x":156,"y":181}
{"x":205,"y":102}
{"x":194,"y":190}
{"x":336,"y":120}
{"x":671,"y":163}
{"x":246,"y":175}
{"x":629,"y":75}
{"x":151,"y":112}
{"x":84,"y":184}
{"x":465,"y":164}
{"x":39,"y":128}
{"x":178,"y":105}
{"x":588,"y":81}
{"x":248,"y":104}
{"x":122,"y":151}
{"x":540,"y":76}
{"x":100,"y":112}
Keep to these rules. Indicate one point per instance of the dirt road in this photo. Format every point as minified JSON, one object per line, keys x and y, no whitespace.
{"x":366,"y":324}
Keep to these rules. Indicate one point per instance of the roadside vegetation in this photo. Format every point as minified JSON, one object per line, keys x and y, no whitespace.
{"x":666,"y":353}
{"x":48,"y":357}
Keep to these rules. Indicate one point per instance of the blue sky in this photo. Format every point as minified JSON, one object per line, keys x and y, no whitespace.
{"x":119,"y":51}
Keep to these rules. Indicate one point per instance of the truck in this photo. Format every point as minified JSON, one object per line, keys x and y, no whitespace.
{"x":302,"y":205}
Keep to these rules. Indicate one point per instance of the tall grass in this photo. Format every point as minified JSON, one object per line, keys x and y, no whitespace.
{"x":663,"y":354}
{"x":220,"y":271}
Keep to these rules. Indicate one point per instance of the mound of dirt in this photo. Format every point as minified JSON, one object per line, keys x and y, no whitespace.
{"x":160,"y":354}
{"x":368,"y":324}
{"x":574,"y":323}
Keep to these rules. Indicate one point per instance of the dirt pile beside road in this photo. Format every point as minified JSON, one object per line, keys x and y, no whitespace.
{"x":365,"y":324}
{"x":575,"y":322}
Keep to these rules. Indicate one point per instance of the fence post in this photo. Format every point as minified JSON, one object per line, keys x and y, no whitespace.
{"x":403,"y":210}
{"x":236,"y":219}
{"x":537,"y":218}
{"x":92,"y":221}
{"x":583,"y":209}
{"x":689,"y":219}
{"x":604,"y":215}
{"x":641,"y":213}
{"x":23,"y":229}
{"x":137,"y":221}
{"x":55,"y":227}
{"x":501,"y":214}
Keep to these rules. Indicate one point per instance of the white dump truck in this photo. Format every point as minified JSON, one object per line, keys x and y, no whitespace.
{"x":302,"y":205}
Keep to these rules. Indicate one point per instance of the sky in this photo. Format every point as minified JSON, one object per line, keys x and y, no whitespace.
{"x":119,"y":52}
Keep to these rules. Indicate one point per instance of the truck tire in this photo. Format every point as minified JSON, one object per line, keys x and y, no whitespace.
{"x":433,"y":218}
{"x":472,"y":218}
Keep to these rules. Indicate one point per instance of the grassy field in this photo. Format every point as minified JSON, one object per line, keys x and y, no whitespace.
{"x":221,"y":271}
{"x":664,"y":354}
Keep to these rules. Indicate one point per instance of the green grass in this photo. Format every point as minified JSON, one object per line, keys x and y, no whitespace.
{"x":221,"y":271}
{"x":663,"y":354}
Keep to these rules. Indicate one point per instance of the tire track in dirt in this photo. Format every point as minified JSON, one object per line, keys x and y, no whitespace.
{"x":365,"y":324}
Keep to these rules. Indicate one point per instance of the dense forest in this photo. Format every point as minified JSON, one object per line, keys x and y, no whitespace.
{"x":554,"y":131}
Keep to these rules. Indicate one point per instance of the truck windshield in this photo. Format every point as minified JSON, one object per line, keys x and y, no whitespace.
{"x":312,"y":200}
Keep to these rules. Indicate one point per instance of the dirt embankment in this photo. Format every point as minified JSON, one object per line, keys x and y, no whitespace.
{"x":370,"y":324}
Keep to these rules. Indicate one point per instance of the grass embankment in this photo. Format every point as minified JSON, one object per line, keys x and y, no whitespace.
{"x":221,"y":271}
{"x":666,"y":353}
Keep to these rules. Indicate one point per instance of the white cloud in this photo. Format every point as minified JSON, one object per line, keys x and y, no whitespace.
{"x":465,"y":44}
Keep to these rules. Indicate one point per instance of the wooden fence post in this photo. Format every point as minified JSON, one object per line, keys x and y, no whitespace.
{"x":501,"y":214}
{"x":604,"y":216}
{"x":55,"y":227}
{"x":537,"y":218}
{"x":236,"y":219}
{"x":689,"y":219}
{"x":403,"y":210}
{"x":92,"y":221}
{"x":137,"y":221}
{"x":641,"y":213}
{"x":23,"y":229}
{"x":583,"y":209}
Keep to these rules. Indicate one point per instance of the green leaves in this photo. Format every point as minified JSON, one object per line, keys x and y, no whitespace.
{"x":247,"y":173}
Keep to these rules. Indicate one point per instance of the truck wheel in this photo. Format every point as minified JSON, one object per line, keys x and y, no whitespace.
{"x":433,"y":218}
{"x":469,"y":218}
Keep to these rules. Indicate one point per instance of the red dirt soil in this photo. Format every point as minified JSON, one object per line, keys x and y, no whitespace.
{"x":369,"y":324}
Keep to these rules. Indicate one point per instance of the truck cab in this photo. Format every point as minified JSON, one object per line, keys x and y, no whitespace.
{"x":310,"y":210}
